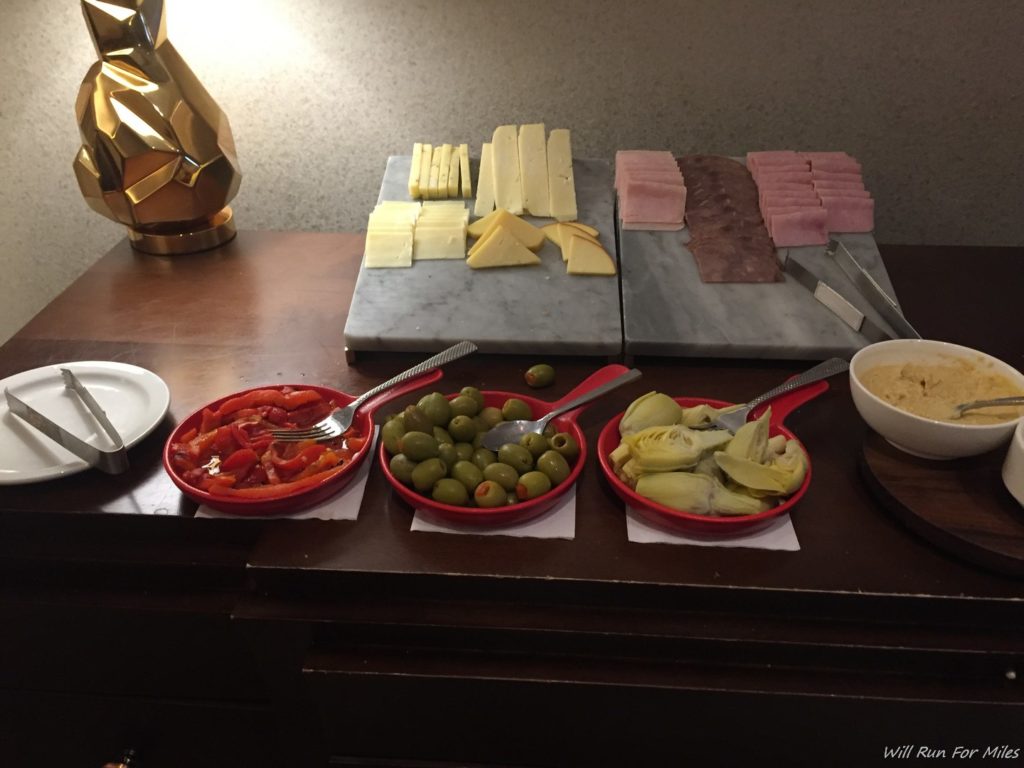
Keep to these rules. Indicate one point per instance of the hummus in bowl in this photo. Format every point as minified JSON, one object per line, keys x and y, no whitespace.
{"x":906,"y":389}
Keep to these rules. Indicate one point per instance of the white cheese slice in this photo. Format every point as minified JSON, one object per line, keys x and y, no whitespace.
{"x":425,"y":158}
{"x":485,"y":182}
{"x":561,"y":184}
{"x":388,"y":249}
{"x":453,"y":173}
{"x":508,"y":189}
{"x":467,"y":180}
{"x":533,"y":165}
{"x":443,"y":168}
{"x":414,"y":170}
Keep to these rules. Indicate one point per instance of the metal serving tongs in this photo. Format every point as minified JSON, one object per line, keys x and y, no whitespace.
{"x":866,"y":285}
{"x":113,"y":462}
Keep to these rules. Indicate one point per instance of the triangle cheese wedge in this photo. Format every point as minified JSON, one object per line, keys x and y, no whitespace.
{"x":559,"y":234}
{"x":501,"y":249}
{"x":585,"y":257}
{"x":532,"y":237}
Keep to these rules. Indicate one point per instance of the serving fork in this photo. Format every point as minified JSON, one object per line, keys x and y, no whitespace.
{"x":337,"y":421}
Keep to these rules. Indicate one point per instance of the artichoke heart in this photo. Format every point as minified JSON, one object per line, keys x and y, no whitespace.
{"x":703,"y":415}
{"x":664,"y":449}
{"x":751,"y":440}
{"x":698,"y":494}
{"x":651,"y":410}
{"x":781,"y":477}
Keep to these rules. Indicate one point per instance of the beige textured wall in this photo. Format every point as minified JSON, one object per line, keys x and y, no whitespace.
{"x":927,"y":94}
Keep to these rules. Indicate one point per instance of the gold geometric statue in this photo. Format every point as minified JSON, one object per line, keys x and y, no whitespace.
{"x":157,"y":152}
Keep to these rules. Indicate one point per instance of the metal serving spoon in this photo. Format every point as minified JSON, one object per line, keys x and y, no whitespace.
{"x":512,"y":431}
{"x":958,"y":410}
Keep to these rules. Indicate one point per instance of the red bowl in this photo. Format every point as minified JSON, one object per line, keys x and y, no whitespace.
{"x":310,"y":495}
{"x":524,"y":510}
{"x":609,"y":440}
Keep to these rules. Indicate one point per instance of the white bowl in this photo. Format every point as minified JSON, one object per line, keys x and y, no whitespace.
{"x":1013,"y":467}
{"x":928,"y":438}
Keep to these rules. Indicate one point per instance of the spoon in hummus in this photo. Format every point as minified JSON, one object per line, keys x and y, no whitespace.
{"x":958,"y":410}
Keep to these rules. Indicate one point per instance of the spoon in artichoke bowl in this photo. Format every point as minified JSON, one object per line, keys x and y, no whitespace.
{"x":513,"y":431}
{"x":959,"y":410}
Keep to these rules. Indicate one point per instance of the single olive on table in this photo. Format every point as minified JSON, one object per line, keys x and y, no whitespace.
{"x":434,"y":447}
{"x":542,"y":375}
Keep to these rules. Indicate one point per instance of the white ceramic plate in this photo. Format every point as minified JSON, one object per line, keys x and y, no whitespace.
{"x":135,"y":400}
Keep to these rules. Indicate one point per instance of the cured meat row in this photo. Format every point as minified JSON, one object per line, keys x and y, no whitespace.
{"x":651,"y":191}
{"x":727,"y":236}
{"x":804,"y":196}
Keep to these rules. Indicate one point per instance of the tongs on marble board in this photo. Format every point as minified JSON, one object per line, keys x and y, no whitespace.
{"x":113,"y":462}
{"x":866,"y":285}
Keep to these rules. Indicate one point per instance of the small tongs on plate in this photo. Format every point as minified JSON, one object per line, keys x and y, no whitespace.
{"x":113,"y":462}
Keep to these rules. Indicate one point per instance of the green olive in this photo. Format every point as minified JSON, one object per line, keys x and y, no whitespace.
{"x":442,"y":435}
{"x":468,"y":473}
{"x":464,"y":405}
{"x":483,"y":456}
{"x":446,"y":452}
{"x":464,"y":451}
{"x":542,"y":375}
{"x":418,"y":445}
{"x":515,"y":409}
{"x":517,"y":457}
{"x":532,"y":484}
{"x":449,"y":491}
{"x":554,"y":465}
{"x":566,"y":445}
{"x":489,"y":494}
{"x":437,"y":408}
{"x":428,"y":472}
{"x":534,"y":442}
{"x":390,"y":433}
{"x":490,"y":416}
{"x":511,"y":498}
{"x":463,"y":428}
{"x":401,"y":467}
{"x":416,"y":420}
{"x":502,"y":474}
{"x":474,"y":393}
{"x":478,"y":439}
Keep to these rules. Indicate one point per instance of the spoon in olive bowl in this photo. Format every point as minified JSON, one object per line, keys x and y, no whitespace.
{"x":512,"y":431}
{"x":958,"y":410}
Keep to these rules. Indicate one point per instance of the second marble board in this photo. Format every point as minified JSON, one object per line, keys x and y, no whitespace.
{"x":516,"y":310}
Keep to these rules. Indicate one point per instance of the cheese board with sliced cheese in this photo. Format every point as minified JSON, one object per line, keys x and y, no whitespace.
{"x":541,"y":307}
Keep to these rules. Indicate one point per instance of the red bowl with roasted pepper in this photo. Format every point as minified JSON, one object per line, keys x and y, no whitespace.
{"x":224,"y":457}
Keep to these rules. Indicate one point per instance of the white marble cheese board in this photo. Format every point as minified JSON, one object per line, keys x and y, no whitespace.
{"x":667,"y":310}
{"x":514,"y":310}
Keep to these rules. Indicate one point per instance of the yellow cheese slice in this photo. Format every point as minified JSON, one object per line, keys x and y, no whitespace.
{"x":455,"y":165}
{"x":559,"y":234}
{"x":585,"y":228}
{"x":467,"y":179}
{"x":532,"y":237}
{"x":485,"y":182}
{"x":561,"y":184}
{"x":425,"y":158}
{"x":414,"y":170}
{"x":508,"y":189}
{"x":388,"y":249}
{"x":443,"y":168}
{"x":587,"y":258}
{"x":502,"y":249}
{"x":533,"y":165}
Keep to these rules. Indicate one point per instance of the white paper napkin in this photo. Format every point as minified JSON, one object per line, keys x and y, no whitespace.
{"x":559,"y":522}
{"x":344,"y":505}
{"x":779,"y":534}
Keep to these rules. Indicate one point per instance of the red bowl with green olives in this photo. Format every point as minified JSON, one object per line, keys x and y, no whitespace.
{"x":465,"y":489}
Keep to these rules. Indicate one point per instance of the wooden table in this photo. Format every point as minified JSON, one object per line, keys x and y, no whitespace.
{"x":240,"y":642}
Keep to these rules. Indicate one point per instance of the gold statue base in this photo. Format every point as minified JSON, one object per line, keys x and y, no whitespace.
{"x":175,"y":238}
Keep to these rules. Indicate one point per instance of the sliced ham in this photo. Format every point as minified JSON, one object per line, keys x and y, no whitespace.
{"x":767,"y":213}
{"x":837,"y":176}
{"x":768,"y":175}
{"x":652,"y":202}
{"x":832,"y":184}
{"x":849,"y":214}
{"x":806,"y":227}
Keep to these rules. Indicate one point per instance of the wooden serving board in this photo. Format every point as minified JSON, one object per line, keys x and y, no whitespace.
{"x":668,"y":310}
{"x":960,"y":506}
{"x":516,"y":310}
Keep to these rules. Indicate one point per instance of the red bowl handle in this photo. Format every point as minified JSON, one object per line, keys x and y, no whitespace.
{"x":593,"y":381}
{"x":783,"y":405}
{"x":417,"y":382}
